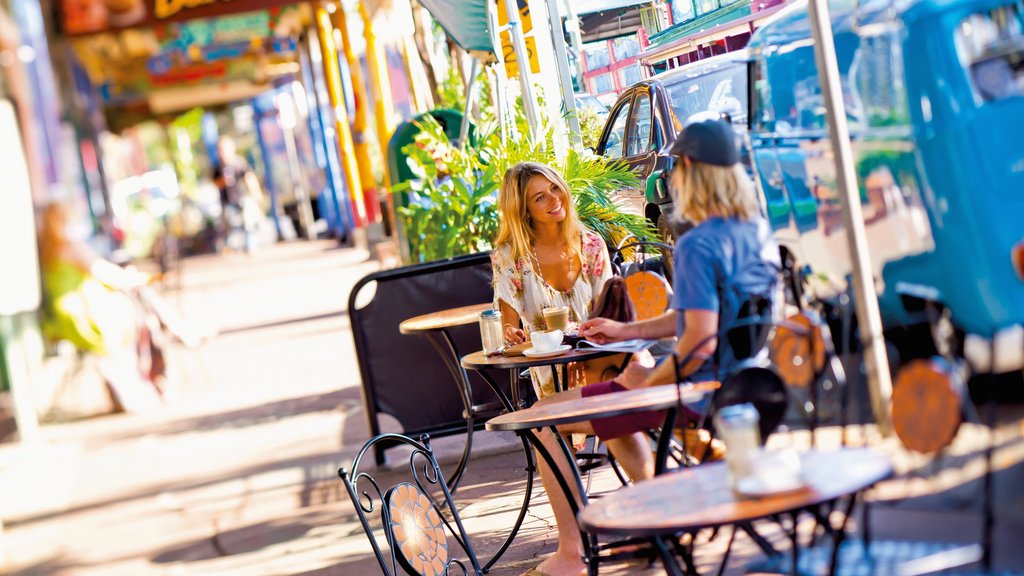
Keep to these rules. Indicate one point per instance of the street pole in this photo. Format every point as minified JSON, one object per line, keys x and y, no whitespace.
{"x":500,"y":93}
{"x":869,"y":319}
{"x":515,"y":26}
{"x":564,"y":77}
{"x":474,"y":72}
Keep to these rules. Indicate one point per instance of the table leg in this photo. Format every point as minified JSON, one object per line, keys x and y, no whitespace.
{"x":668,"y":559}
{"x":445,"y":346}
{"x":563,"y":483}
{"x":531,"y":468}
{"x":508,"y":404}
{"x":665,"y":442}
{"x":513,"y":378}
{"x":838,"y":534}
{"x":795,"y":543}
{"x":728,"y":549}
{"x":555,"y":384}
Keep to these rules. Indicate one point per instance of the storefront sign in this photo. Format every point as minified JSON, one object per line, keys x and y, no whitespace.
{"x":92,"y":16}
{"x":163,"y":9}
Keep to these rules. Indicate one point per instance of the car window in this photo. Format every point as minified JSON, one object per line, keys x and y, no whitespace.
{"x":617,"y":133}
{"x":638,"y":139}
{"x":723,"y":91}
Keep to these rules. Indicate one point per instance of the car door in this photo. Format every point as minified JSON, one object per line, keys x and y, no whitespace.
{"x":613,"y":139}
{"x":640,"y":150}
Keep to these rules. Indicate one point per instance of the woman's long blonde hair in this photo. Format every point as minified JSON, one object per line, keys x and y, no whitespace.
{"x":514,"y":228}
{"x":704,"y":190}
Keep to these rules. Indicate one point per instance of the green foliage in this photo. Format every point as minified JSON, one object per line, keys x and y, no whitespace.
{"x":452,"y":92}
{"x":452,"y":209}
{"x":591,"y":125}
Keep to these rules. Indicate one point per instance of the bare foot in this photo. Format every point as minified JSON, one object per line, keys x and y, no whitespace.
{"x":558,"y":565}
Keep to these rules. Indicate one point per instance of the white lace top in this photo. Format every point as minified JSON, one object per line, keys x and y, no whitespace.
{"x":525,"y":290}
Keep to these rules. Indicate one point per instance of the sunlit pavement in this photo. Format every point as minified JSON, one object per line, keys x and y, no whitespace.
{"x":238,"y":475}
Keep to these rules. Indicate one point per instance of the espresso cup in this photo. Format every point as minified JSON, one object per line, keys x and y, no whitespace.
{"x":546,"y":341}
{"x":557,"y":318}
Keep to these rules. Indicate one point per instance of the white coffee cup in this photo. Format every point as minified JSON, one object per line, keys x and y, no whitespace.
{"x":546,"y":341}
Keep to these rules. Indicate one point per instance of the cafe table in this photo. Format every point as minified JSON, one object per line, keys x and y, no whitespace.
{"x":483,"y":364}
{"x":527,"y":422}
{"x":435,"y":328}
{"x":696,"y":498}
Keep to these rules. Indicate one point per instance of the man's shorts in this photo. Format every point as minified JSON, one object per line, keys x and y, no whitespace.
{"x":626,"y":424}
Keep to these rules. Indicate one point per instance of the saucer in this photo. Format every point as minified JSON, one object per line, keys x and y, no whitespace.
{"x":753,"y":486}
{"x":532,"y":353}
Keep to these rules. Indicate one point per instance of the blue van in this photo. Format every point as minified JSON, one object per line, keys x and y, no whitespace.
{"x":934,"y":94}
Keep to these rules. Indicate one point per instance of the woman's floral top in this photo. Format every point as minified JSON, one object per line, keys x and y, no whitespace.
{"x":525,"y":290}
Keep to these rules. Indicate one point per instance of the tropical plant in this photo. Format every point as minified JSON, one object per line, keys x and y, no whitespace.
{"x":591,"y":125}
{"x":452,"y":207}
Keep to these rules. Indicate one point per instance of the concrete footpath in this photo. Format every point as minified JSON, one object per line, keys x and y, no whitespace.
{"x":238,"y":474}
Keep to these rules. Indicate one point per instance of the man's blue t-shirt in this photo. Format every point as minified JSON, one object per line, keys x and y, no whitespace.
{"x":716,"y":264}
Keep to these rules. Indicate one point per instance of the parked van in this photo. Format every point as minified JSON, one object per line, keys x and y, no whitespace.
{"x":934,"y":94}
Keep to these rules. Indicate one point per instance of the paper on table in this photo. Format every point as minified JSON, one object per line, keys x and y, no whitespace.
{"x":633,"y":346}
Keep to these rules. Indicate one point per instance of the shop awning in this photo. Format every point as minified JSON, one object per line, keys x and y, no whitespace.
{"x":465,"y":22}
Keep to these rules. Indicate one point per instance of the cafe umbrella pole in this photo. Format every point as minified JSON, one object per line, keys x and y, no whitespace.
{"x":868,"y":316}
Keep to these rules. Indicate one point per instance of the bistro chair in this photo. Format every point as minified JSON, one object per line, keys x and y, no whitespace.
{"x":416,"y":528}
{"x":648,"y":279}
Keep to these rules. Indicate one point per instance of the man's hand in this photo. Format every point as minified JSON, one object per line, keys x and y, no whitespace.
{"x":639,"y":369}
{"x":603,"y":330}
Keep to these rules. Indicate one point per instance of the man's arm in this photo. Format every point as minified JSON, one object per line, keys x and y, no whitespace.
{"x":602,"y":330}
{"x":697,"y":340}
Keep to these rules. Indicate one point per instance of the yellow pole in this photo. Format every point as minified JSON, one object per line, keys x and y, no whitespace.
{"x":383,"y":103}
{"x":359,"y":122}
{"x":378,"y":78}
{"x":332,"y":72}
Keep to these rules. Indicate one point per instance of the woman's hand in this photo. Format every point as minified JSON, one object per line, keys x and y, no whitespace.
{"x":639,"y":369}
{"x":603,"y":330}
{"x":514,"y":335}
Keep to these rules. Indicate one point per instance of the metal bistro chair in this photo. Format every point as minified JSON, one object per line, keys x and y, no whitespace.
{"x":648,"y":279}
{"x":415,"y":528}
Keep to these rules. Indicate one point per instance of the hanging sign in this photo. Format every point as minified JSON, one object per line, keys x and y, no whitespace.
{"x":93,"y":16}
{"x":508,"y":52}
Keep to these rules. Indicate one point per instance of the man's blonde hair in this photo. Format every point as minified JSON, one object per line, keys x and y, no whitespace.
{"x":704,"y":190}
{"x":514,"y":228}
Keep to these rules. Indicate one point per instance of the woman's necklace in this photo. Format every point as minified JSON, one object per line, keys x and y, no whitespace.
{"x":565,"y":256}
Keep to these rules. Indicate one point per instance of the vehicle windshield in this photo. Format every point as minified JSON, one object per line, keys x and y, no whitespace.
{"x":991,"y":48}
{"x":721,"y":91}
{"x":590,"y":103}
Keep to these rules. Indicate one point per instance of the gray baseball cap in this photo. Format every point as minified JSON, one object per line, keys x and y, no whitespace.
{"x":710,"y":141}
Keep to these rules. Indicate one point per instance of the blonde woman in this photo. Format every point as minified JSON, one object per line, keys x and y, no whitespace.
{"x":543,"y":257}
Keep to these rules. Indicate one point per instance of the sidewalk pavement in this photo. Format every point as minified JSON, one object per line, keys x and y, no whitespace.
{"x":238,"y":476}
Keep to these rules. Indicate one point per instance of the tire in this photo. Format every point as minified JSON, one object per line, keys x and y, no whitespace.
{"x":666,"y":235}
{"x":669,"y":232}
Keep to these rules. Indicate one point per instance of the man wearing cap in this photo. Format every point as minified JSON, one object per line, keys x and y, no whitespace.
{"x":728,"y":257}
